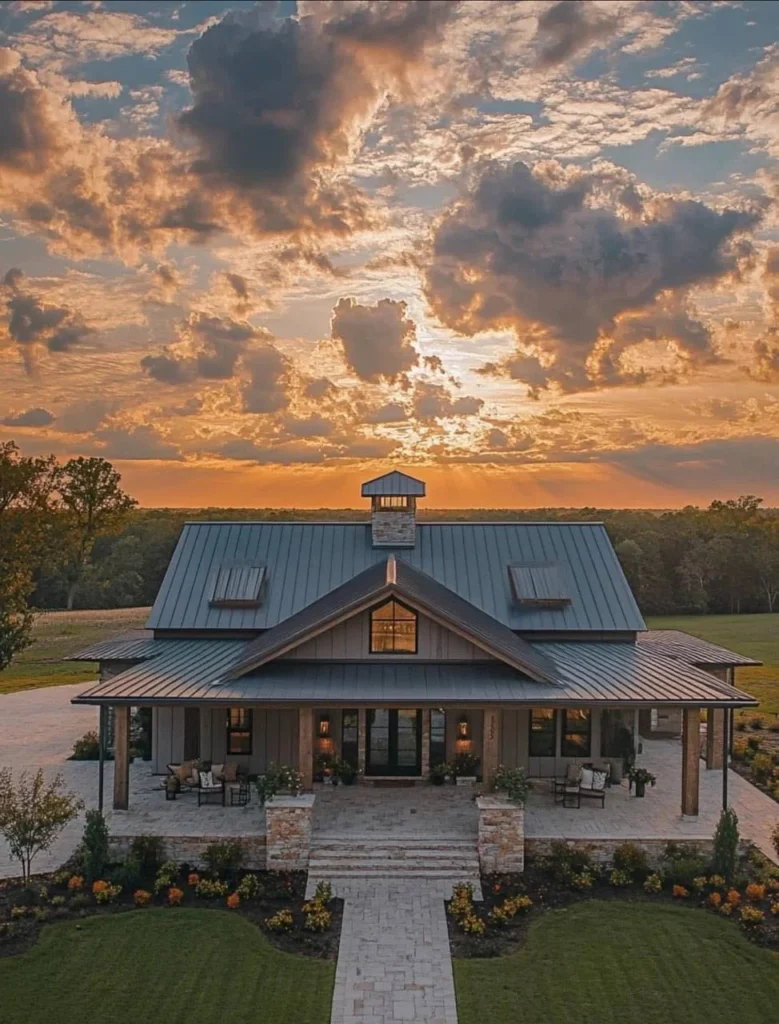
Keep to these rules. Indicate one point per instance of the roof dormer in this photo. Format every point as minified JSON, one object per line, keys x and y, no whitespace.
{"x":394,"y":509}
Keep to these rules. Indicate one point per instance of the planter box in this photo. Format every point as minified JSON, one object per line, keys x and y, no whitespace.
{"x":466,"y":780}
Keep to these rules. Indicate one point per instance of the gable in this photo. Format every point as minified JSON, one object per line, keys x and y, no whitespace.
{"x":350,"y":641}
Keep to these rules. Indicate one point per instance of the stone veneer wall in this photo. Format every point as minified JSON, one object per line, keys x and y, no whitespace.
{"x":501,"y":839}
{"x":190,"y":849}
{"x":288,"y":832}
{"x":602,"y":850}
{"x":394,"y":526}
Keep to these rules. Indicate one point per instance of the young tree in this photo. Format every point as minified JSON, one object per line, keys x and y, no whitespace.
{"x":32,"y":814}
{"x":726,"y":845}
{"x":95,"y":505}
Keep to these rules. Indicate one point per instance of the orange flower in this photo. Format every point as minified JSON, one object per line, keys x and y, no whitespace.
{"x":99,"y":886}
{"x":75,"y":882}
{"x":141,"y":898}
{"x":715,"y":899}
{"x":680,"y":892}
{"x":755,"y":892}
{"x":193,"y":878}
{"x":175,"y":896}
{"x":733,"y":897}
{"x":497,"y":887}
{"x":233,"y":900}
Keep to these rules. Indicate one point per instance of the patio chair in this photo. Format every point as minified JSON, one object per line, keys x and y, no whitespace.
{"x":209,"y":788}
{"x":568,"y":789}
{"x":593,"y":784}
{"x":186,"y":773}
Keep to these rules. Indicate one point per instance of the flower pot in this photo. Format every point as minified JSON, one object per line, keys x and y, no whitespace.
{"x":348,"y":780}
{"x":438,"y":780}
{"x":640,"y":788}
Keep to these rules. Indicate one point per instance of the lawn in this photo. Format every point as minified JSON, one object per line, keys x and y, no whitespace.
{"x":611,"y":962}
{"x":754,"y":635}
{"x":182,"y":966}
{"x":58,"y":634}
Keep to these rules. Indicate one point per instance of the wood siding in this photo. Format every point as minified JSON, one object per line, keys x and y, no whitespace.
{"x":515,"y":744}
{"x":350,"y":641}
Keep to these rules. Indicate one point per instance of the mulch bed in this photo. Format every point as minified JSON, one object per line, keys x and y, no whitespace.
{"x":548,"y":894}
{"x":279,"y":892}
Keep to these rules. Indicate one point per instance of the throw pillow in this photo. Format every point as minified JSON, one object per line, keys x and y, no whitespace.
{"x":231,"y":771}
{"x":217,"y":770}
{"x":185,"y":771}
{"x":573,"y":773}
{"x":586,"y":779}
{"x":598,"y":780}
{"x":206,"y":780}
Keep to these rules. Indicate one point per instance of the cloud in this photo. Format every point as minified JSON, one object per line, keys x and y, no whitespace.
{"x":391,"y":412}
{"x":751,"y":101}
{"x":289,"y":454}
{"x":166,"y":281}
{"x":313,"y":426}
{"x":766,"y":348}
{"x":141,"y":442}
{"x":84,"y":417}
{"x":533,"y":253}
{"x":30,"y":418}
{"x":378,"y":341}
{"x":318,"y":387}
{"x":33,"y":324}
{"x":266,"y":390}
{"x":569,"y":28}
{"x":433,"y":402}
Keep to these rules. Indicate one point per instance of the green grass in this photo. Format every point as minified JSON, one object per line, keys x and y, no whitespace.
{"x":608,"y":963}
{"x":162,"y":966}
{"x":58,"y":634}
{"x":754,"y":635}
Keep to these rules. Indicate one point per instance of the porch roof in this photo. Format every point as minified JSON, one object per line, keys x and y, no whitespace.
{"x":674,"y":643}
{"x":586,"y":673}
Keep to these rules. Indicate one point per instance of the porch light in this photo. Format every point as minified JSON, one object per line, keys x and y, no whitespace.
{"x":463,"y":728}
{"x":324,"y":726}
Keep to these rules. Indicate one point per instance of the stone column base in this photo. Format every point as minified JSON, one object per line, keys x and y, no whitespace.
{"x":288,"y":832}
{"x":501,"y":835}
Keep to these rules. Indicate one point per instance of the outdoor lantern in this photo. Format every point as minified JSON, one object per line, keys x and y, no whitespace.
{"x":324,"y":725}
{"x":463,"y":728}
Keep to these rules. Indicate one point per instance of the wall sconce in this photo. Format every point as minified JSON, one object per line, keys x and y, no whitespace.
{"x":324,"y":726}
{"x":463,"y":728}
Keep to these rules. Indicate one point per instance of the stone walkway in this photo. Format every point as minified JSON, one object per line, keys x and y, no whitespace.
{"x":393,"y":961}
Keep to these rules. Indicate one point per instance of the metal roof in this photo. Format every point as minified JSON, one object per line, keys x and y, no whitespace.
{"x":393,"y":578}
{"x":673,"y":643}
{"x":133,"y":645}
{"x":237,"y":585}
{"x":586,"y":673}
{"x":307,"y":560}
{"x":394,"y":484}
{"x":538,"y":584}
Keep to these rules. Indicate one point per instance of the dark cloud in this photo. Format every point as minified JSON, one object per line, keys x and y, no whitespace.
{"x":30,"y":418}
{"x":765,"y":350}
{"x":568,"y":28}
{"x":391,"y":412}
{"x":319,"y":387}
{"x":266,"y":389}
{"x":312,"y":426}
{"x":84,"y":417}
{"x":141,"y":442}
{"x":31,"y":128}
{"x":213,"y":346}
{"x":562,"y":273}
{"x":245,"y":450}
{"x":433,"y":402}
{"x":166,"y":281}
{"x":378,"y":341}
{"x":33,"y":323}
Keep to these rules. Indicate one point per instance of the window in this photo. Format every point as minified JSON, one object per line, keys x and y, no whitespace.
{"x":239,"y":731}
{"x":393,"y":629}
{"x":437,"y":737}
{"x":576,"y":733}
{"x":391,"y":501}
{"x":349,"y":737}
{"x":543,"y":723}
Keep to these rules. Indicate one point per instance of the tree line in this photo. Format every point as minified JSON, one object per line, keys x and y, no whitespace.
{"x":70,"y":537}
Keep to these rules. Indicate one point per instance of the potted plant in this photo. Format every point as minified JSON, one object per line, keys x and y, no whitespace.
{"x":439,"y":773}
{"x":512,"y":783}
{"x":640,"y":778}
{"x":464,"y":769}
{"x":346,"y":772}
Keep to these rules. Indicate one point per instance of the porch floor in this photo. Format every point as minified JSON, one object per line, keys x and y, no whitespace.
{"x":421,"y":811}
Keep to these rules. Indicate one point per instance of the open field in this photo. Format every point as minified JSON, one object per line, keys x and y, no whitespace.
{"x":754,"y":635}
{"x":180,"y":966}
{"x":59,"y":634}
{"x":609,"y":962}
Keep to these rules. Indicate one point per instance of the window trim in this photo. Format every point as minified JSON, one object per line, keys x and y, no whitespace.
{"x":442,"y":760}
{"x":393,"y":653}
{"x":243,"y":729}
{"x":565,"y":731}
{"x":531,"y":733}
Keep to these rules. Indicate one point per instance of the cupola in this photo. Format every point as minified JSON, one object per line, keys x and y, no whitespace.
{"x":394,"y":509}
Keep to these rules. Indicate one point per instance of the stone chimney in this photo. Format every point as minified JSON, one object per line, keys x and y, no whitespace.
{"x":394,"y":509}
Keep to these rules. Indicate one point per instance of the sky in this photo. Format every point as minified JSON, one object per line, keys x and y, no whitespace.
{"x":257,"y":253}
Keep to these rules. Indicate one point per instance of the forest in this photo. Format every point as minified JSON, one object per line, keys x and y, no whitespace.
{"x":71,"y":538}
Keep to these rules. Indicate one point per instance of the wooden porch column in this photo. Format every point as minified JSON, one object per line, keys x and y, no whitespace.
{"x":361,"y":738}
{"x":490,"y":744}
{"x":306,"y":746}
{"x":691,"y":760}
{"x":425,"y":743}
{"x":121,"y":758}
{"x":715,"y":730}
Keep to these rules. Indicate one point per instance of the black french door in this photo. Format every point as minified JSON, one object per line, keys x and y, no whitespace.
{"x":393,"y":742}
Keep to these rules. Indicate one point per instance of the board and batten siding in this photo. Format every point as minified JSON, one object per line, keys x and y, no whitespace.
{"x":350,"y":641}
{"x":167,"y":733}
{"x":515,"y":744}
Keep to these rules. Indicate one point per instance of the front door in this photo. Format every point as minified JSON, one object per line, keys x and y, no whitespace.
{"x":394,"y":742}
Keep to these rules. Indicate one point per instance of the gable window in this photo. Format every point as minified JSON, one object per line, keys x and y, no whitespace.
{"x":239,"y":731}
{"x":542,"y":732}
{"x":393,"y":629}
{"x":576,"y":733}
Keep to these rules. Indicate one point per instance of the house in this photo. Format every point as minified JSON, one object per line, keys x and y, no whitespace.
{"x":396,"y":644}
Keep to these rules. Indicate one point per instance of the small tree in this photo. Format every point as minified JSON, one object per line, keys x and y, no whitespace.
{"x":33,"y":813}
{"x":726,"y":844}
{"x":93,"y":849}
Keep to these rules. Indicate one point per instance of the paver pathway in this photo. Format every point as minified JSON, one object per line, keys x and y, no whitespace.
{"x":393,"y":961}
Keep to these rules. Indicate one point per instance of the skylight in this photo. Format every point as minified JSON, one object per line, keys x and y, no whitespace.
{"x":539,"y":584}
{"x":238,"y":586}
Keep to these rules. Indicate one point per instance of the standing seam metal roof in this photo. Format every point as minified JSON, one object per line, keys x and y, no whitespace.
{"x":674,"y":643}
{"x":394,"y":484}
{"x":308,"y":560}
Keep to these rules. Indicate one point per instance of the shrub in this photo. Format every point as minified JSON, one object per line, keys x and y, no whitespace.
{"x":510,"y":907}
{"x":653,"y":884}
{"x":583,"y":881}
{"x":87,"y":748}
{"x":683,"y":870}
{"x":726,"y":909}
{"x":513,"y":783}
{"x":762,"y":766}
{"x":733,"y":897}
{"x":80,"y":901}
{"x":318,"y":917}
{"x":620,"y":879}
{"x":41,"y":914}
{"x":726,"y":844}
{"x":323,"y":892}
{"x":249,"y":888}
{"x":278,"y":778}
{"x":166,"y":876}
{"x":717,"y":882}
{"x":43,"y":894}
{"x":465,"y":765}
{"x":58,"y":901}
{"x":175,"y":896}
{"x":632,"y":858}
{"x":104,"y":892}
{"x":753,"y":744}
{"x":224,"y":858}
{"x":193,"y":878}
{"x":60,"y":878}
{"x":715,"y":899}
{"x":233,"y":901}
{"x":739,"y":750}
{"x":751,"y":916}
{"x":141,"y":898}
{"x":211,"y":890}
{"x":699,"y":884}
{"x":679,"y":892}
{"x":740,"y":724}
{"x":755,"y":892}
{"x":149,"y":851}
{"x":127,"y":874}
{"x":18,"y":912}
{"x":775,"y":909}
{"x":564,"y":861}
{"x":76,"y":883}
{"x":472,"y":924}
{"x":280,"y":922}
{"x":775,"y":838}
{"x":756,"y":722}
{"x":92,"y":853}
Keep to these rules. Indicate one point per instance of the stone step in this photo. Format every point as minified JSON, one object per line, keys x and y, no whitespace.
{"x":395,"y":852}
{"x":324,"y":867}
{"x":331,"y":876}
{"x":392,"y":842}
